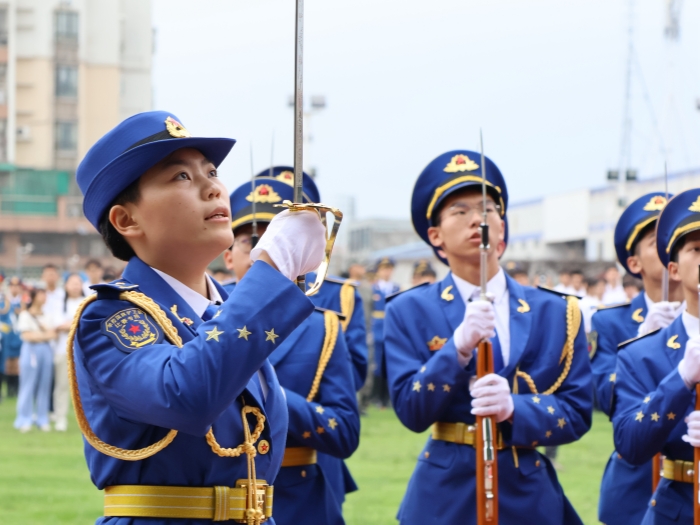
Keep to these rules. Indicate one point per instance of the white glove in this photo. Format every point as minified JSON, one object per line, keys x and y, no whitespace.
{"x":491,"y":397}
{"x":689,"y":367}
{"x":479,"y":323}
{"x":693,"y":435}
{"x":295,"y":241}
{"x":660,"y":315}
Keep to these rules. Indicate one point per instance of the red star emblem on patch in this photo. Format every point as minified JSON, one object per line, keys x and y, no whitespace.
{"x":134,"y":329}
{"x":263,"y":448}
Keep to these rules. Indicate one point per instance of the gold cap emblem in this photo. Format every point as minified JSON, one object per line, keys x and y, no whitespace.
{"x":695,"y":206}
{"x":176,"y":129}
{"x":436,"y":343}
{"x":460,"y":163}
{"x":656,"y":203}
{"x":287,"y":177}
{"x":264,"y":193}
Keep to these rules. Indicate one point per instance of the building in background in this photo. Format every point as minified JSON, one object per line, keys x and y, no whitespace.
{"x":69,"y":71}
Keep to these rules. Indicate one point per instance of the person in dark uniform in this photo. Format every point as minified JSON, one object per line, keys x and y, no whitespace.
{"x":183,"y":416}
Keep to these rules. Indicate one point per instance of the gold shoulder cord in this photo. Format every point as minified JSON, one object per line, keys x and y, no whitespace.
{"x":151,"y":308}
{"x":347,"y":303}
{"x":573,"y":323}
{"x":329,"y":340}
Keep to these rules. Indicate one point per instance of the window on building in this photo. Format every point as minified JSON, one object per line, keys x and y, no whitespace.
{"x":3,"y":26}
{"x":67,"y":24}
{"x":66,"y":136}
{"x":66,"y":81}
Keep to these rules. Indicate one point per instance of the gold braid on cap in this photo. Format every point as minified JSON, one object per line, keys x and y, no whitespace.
{"x":331,"y":336}
{"x":573,"y":323}
{"x":149,"y":306}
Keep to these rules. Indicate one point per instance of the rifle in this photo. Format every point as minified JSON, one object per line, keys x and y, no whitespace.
{"x":485,"y":442}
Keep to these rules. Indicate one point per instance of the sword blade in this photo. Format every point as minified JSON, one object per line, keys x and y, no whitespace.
{"x":664,"y":278}
{"x":299,"y":103}
{"x":484,"y":226}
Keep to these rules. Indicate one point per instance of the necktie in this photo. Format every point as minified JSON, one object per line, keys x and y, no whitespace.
{"x":210,"y":312}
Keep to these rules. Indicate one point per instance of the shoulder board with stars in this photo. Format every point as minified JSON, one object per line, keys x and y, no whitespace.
{"x":340,"y":280}
{"x":611,"y":306}
{"x":119,"y":285}
{"x":625,"y":343}
{"x":390,"y":297}
{"x":340,"y":316}
{"x":555,"y":292}
{"x":131,"y":328}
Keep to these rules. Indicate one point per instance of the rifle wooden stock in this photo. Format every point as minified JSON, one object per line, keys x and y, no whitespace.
{"x":655,"y":472}
{"x":696,"y":463}
{"x":485,"y":447}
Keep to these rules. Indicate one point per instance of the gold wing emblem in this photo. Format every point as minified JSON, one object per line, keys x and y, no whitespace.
{"x":671,"y":343}
{"x":446,"y":295}
{"x":524,"y":307}
{"x":637,"y":315}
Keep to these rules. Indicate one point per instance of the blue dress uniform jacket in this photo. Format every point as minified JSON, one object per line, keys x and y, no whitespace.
{"x":625,"y":489}
{"x":329,"y":424}
{"x":378,"y":314}
{"x":428,"y":385}
{"x":330,"y":296}
{"x":651,"y":403}
{"x":132,"y":397}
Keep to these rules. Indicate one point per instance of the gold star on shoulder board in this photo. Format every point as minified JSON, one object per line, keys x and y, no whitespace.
{"x":243,"y":333}
{"x":319,"y":409}
{"x":214,"y":334}
{"x":536,"y":399}
{"x":561,"y":422}
{"x":332,"y":423}
{"x":306,"y":435}
{"x":271,"y":336}
{"x":445,"y":387}
{"x":416,"y":386}
{"x":548,"y":434}
{"x":639,"y":416}
{"x":655,"y":417}
{"x":320,"y":430}
{"x":671,"y":416}
{"x":647,"y":399}
{"x":613,"y":376}
{"x":550,"y":409}
{"x":431,"y":387}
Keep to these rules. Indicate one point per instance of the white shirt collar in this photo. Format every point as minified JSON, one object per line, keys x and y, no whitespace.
{"x":691,"y":324}
{"x":649,"y":303}
{"x":195,"y":300}
{"x":496,"y":286}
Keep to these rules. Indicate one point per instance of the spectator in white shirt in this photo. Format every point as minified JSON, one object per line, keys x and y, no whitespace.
{"x":54,"y":293}
{"x":578,"y":285}
{"x":564,"y":285}
{"x":614,"y":292}
{"x":95,"y":275}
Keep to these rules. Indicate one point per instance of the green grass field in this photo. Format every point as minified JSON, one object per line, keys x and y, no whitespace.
{"x":44,"y":480}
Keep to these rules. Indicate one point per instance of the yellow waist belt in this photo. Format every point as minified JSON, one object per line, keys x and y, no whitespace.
{"x":378,"y":314}
{"x":299,"y":457}
{"x":677,"y":470}
{"x":208,"y":503}
{"x":461,"y":433}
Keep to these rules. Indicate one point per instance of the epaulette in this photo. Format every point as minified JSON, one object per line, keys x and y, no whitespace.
{"x":118,"y":286}
{"x":609,"y":307}
{"x":390,"y":297}
{"x":560,"y":294}
{"x":340,"y":316}
{"x":625,"y":343}
{"x":340,"y":280}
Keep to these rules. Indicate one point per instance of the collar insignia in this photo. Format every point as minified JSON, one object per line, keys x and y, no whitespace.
{"x":524,"y":307}
{"x":176,"y":129}
{"x":264,"y":193}
{"x":671,"y":343}
{"x":287,"y":177}
{"x":446,"y":295}
{"x":637,"y":315}
{"x":695,"y":206}
{"x":460,"y":163}
{"x":656,"y":203}
{"x":436,"y":343}
{"x":184,"y":320}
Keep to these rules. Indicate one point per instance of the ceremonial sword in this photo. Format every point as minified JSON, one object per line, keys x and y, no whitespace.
{"x":485,"y":446}
{"x":254,"y":235}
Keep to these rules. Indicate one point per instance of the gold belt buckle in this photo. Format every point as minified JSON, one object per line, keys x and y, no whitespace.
{"x":262,"y":498}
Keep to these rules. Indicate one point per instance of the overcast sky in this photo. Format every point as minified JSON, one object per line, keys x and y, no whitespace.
{"x":407,"y":80}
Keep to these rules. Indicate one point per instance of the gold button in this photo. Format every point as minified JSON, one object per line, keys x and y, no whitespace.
{"x":537,"y":463}
{"x":653,"y":503}
{"x":263,"y":446}
{"x":303,"y":473}
{"x":427,"y":454}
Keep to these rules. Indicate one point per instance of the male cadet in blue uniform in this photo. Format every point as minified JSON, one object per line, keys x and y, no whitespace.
{"x":656,"y":375}
{"x":314,"y":368}
{"x":541,"y":391}
{"x":626,"y":489}
{"x":171,"y":374}
{"x":382,"y":287}
{"x":337,"y":294}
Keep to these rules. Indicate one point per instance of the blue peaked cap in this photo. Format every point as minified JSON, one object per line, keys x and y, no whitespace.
{"x":268,"y":192}
{"x":641,"y":213}
{"x":134,"y":146}
{"x":447,"y":174}
{"x":680,"y":217}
